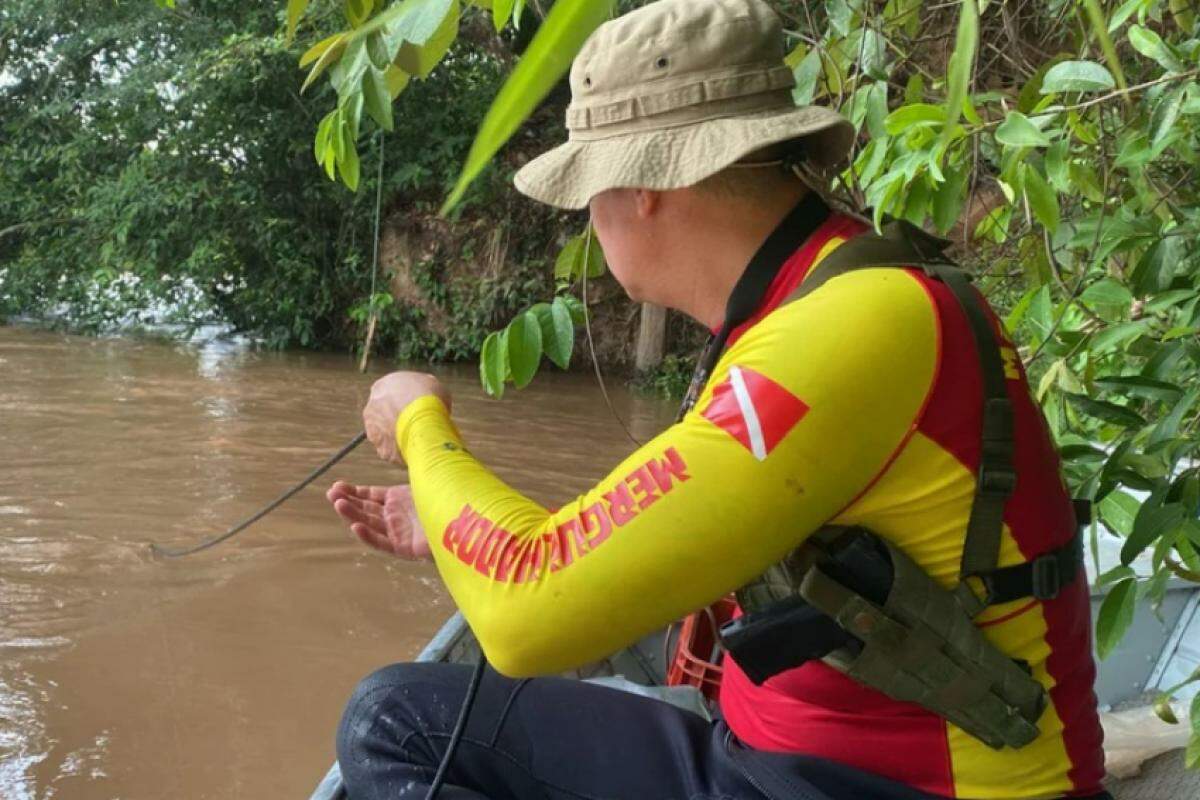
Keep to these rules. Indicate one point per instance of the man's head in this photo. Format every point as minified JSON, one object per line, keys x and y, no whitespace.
{"x":673,"y":93}
{"x":654,"y":240}
{"x":668,"y":103}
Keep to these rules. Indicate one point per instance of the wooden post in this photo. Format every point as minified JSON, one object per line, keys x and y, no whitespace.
{"x":651,"y":337}
{"x":366,"y":352}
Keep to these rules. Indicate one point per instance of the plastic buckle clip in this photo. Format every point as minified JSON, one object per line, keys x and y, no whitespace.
{"x":1046,"y":577}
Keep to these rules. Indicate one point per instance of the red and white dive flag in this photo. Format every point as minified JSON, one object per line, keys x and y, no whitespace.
{"x":754,"y":409}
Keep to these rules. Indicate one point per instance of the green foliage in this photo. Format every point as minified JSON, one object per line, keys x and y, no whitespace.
{"x":153,"y":161}
{"x":548,"y":58}
{"x":581,"y":255}
{"x":669,"y":380}
{"x":1116,"y":615}
{"x":515,"y":353}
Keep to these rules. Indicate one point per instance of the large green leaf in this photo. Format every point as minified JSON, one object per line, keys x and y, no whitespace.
{"x":1042,"y":199}
{"x":1077,"y":76}
{"x":320,"y":48}
{"x":1119,"y":510}
{"x":949,"y":199}
{"x":545,"y":61}
{"x":581,"y":253}
{"x":1116,"y":615}
{"x":420,"y":57}
{"x":414,"y":21}
{"x":914,"y":115}
{"x":558,"y":330}
{"x":1140,"y":386}
{"x":1166,"y":114}
{"x":326,"y":53}
{"x":377,"y":99}
{"x":348,"y":165}
{"x":1153,"y":521}
{"x":1117,"y":337}
{"x":1107,"y":292}
{"x":524,"y":348}
{"x":1151,"y":45}
{"x":501,"y":13}
{"x":1108,"y":412}
{"x":493,"y":363}
{"x":295,"y":10}
{"x":1168,"y":426}
{"x":563,"y":343}
{"x":1018,"y":131}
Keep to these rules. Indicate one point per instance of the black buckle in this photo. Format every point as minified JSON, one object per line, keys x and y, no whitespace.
{"x":1046,"y":577}
{"x":997,"y":480}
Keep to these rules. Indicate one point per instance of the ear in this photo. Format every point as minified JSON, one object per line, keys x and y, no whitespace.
{"x":647,"y":202}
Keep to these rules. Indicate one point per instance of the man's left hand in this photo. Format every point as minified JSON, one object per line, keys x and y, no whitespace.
{"x":390,"y":395}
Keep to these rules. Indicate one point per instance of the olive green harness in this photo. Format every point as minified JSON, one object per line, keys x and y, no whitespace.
{"x":921,"y":644}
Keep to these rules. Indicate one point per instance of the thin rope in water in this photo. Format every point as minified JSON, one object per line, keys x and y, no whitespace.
{"x":174,"y":552}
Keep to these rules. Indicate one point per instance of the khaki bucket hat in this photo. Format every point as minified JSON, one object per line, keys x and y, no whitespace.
{"x":674,"y":92}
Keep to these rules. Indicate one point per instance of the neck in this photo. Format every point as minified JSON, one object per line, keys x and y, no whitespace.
{"x":726,"y":237}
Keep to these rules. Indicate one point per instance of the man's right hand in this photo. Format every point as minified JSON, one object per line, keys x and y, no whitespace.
{"x":383,"y":517}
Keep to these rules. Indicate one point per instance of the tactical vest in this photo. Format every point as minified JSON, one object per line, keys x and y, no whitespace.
{"x":867,"y":608}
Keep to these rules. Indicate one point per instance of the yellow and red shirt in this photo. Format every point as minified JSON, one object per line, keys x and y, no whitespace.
{"x":857,"y":405}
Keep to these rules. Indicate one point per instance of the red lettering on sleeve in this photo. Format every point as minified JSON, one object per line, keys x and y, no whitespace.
{"x":568,"y":537}
{"x":639,"y":481}
{"x":469,"y":545}
{"x":489,"y":553}
{"x":671,"y":465}
{"x":620,"y":504}
{"x":530,"y":568}
{"x":523,"y":559}
{"x":458,"y":528}
{"x":509,"y":557}
{"x":596,"y":525}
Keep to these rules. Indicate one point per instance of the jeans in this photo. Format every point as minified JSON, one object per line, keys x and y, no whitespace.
{"x":561,"y":739}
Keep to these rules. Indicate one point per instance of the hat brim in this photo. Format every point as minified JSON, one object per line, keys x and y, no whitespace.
{"x":573,"y":173}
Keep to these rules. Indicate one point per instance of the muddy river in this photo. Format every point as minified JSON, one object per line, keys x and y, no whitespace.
{"x":222,"y":675}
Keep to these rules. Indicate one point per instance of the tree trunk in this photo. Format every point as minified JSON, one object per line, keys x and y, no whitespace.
{"x":651,"y":337}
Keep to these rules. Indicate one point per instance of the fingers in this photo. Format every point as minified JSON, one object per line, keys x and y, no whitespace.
{"x":360,"y":513}
{"x":372,"y":538}
{"x":376,"y":494}
{"x":368,"y":508}
{"x":341,"y":489}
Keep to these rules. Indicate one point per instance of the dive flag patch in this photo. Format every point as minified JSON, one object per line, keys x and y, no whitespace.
{"x":754,"y":410}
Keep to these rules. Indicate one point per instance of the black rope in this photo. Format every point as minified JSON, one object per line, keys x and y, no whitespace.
{"x":172,"y":552}
{"x":460,"y":727}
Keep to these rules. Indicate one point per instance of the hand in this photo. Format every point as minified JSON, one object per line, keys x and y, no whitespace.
{"x":390,"y":395}
{"x":383,"y":517}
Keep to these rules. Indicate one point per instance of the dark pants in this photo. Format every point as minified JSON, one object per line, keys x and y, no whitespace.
{"x":564,"y":739}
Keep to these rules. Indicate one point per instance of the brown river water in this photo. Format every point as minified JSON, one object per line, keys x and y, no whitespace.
{"x":222,"y":675}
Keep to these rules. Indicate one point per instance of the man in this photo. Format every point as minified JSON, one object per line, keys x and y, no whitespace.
{"x":858,"y":404}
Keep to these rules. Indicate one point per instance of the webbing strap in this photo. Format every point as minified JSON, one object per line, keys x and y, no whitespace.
{"x":905,"y":245}
{"x":1043,"y":577}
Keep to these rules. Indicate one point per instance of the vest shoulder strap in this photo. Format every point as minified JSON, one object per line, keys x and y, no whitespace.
{"x":904,"y":245}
